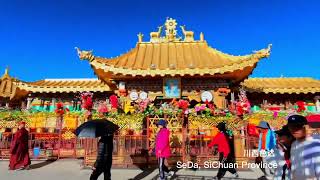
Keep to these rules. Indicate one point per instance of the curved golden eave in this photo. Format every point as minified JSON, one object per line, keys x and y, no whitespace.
{"x":175,"y":59}
{"x":64,"y":85}
{"x":282,"y":85}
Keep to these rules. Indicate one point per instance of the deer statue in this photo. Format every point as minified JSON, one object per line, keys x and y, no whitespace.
{"x":188,"y":35}
{"x":155,"y":36}
{"x":85,"y":54}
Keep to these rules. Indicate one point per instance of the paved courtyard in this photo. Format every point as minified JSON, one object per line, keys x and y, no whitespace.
{"x":71,"y":170}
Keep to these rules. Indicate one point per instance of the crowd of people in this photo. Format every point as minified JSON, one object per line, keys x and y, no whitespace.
{"x":295,"y":150}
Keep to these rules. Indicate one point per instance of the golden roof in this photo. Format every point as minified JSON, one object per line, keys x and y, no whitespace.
{"x":282,"y":85}
{"x":64,"y":85}
{"x":15,"y":89}
{"x":173,"y":55}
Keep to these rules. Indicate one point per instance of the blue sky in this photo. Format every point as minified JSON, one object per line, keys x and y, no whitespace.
{"x":38,"y":36}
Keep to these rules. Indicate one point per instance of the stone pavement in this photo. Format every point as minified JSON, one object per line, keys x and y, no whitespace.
{"x":71,"y":170}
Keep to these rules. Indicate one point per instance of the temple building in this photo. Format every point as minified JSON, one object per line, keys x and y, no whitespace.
{"x":167,"y":66}
{"x":282,"y":92}
{"x":42,"y":95}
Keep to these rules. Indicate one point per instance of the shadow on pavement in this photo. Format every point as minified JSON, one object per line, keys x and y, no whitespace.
{"x":143,"y":174}
{"x":40,"y":165}
{"x":189,"y":177}
{"x":147,"y":172}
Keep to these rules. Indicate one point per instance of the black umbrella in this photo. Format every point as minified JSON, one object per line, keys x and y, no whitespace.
{"x":96,"y":128}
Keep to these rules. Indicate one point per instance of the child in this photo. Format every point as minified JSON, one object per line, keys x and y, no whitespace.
{"x":162,"y":148}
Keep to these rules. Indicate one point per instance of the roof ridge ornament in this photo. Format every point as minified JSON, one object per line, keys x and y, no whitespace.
{"x":171,"y":32}
{"x":264,"y":52}
{"x":85,"y":54}
{"x":155,"y":36}
{"x":188,"y":35}
{"x":201,"y":37}
{"x":6,"y":73}
{"x":140,"y":37}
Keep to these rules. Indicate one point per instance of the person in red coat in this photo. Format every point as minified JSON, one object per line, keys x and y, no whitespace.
{"x":19,"y":149}
{"x":221,"y":140}
{"x":162,"y":149}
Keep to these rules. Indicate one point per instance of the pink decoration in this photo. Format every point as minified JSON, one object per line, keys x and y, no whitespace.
{"x":275,"y":114}
{"x":102,"y":108}
{"x":200,"y":107}
{"x":143,"y":105}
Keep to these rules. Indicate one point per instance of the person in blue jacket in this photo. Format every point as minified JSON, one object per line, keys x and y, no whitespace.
{"x":267,"y":141}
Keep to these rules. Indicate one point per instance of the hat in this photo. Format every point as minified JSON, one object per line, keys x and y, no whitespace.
{"x":284,"y":131}
{"x":297,"y":120}
{"x":264,"y":125}
{"x":162,"y":122}
{"x":221,"y":126}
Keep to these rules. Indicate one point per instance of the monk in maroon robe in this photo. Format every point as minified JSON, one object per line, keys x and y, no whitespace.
{"x":19,"y":149}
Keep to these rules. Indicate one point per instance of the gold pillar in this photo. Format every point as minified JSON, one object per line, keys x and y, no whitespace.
{"x":239,"y":148}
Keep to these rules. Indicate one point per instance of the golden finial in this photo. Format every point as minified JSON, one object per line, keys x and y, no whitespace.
{"x":201,"y":37}
{"x":264,"y":52}
{"x":6,"y":71}
{"x":269,"y":47}
{"x":140,"y":37}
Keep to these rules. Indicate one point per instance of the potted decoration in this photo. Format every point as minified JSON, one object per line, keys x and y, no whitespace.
{"x":114,"y":101}
{"x":301,"y":106}
{"x":60,"y":110}
{"x":87,"y":104}
{"x":102,"y":109}
{"x":183,"y":104}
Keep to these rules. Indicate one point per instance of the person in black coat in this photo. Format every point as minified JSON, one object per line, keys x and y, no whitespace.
{"x":104,"y":158}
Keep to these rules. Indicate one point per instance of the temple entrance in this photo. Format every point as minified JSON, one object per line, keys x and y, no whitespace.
{"x":137,"y":150}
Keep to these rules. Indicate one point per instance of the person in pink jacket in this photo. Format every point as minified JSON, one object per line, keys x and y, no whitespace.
{"x":162,"y":149}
